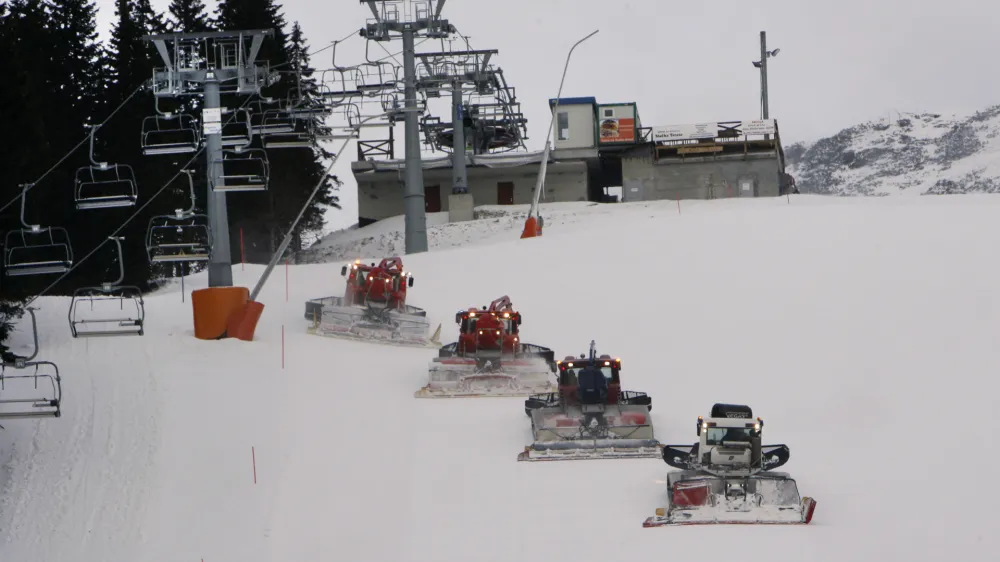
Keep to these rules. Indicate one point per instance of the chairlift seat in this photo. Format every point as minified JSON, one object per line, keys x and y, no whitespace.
{"x":297,"y":140}
{"x":30,"y":390}
{"x":43,"y":251}
{"x":93,"y":313}
{"x":273,"y":121}
{"x":237,"y":131}
{"x":105,"y":188}
{"x":174,"y":134}
{"x":245,"y":170}
{"x":171,"y":239}
{"x":24,"y":393}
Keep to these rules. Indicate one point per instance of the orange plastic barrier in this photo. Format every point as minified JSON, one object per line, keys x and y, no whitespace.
{"x":213,"y":308}
{"x":243,"y":322}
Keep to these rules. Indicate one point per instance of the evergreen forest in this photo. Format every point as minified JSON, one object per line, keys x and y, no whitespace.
{"x":61,"y":81}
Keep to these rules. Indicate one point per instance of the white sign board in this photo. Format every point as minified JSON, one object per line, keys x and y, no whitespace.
{"x":759,"y":127}
{"x":212,"y":121}
{"x":685,"y":132}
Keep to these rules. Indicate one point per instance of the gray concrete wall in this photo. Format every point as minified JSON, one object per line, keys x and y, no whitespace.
{"x":380,"y":195}
{"x":644,"y":179}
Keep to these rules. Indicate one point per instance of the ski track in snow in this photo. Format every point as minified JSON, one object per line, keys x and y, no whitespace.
{"x":87,"y":471}
{"x":861,"y":330}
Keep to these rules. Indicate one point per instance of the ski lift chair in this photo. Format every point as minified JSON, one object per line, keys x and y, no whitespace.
{"x":170,"y":133}
{"x":262,"y":118}
{"x":244,"y":169}
{"x":104,"y":186}
{"x":36,"y":250}
{"x":184,"y":236}
{"x":236,"y":130}
{"x":29,"y":388}
{"x":301,"y":136}
{"x":90,"y":316}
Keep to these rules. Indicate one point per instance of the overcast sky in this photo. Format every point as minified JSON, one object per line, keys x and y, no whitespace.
{"x":841,"y":62}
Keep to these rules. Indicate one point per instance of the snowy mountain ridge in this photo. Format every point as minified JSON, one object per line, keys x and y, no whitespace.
{"x":914,"y":154}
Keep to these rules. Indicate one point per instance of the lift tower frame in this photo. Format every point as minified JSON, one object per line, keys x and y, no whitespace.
{"x":423,"y":18}
{"x":209,"y":64}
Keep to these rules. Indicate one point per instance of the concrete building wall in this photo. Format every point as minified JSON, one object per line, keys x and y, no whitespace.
{"x":753,"y":175}
{"x":582,"y":128}
{"x":380,"y":195}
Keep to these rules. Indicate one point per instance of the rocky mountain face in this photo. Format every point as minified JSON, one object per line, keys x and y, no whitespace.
{"x":917,"y":154}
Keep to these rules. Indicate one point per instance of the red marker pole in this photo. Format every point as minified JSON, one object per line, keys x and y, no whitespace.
{"x":678,"y":205}
{"x":253,"y":456}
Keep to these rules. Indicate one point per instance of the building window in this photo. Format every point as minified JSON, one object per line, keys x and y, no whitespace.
{"x":562,"y":125}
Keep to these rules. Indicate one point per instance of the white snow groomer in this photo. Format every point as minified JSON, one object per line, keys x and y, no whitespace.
{"x":726,"y":477}
{"x":590,"y":417}
{"x":373,"y":307}
{"x":489,"y":358}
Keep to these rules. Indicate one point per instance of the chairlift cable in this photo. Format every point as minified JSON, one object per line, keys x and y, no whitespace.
{"x":148,"y":202}
{"x":177,"y":174}
{"x":74,"y":149}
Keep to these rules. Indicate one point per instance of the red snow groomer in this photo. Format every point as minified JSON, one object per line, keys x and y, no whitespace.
{"x":590,"y":417}
{"x":373,"y":306}
{"x":489,"y":358}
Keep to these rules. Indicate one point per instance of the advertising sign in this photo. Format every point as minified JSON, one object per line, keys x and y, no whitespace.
{"x":617,"y":129}
{"x":685,"y":132}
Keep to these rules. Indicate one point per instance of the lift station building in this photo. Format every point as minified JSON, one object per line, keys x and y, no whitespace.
{"x":597,"y":148}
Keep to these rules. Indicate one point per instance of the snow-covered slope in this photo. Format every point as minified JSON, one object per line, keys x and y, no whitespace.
{"x":913,"y":154}
{"x":861,"y":330}
{"x":492,"y":223}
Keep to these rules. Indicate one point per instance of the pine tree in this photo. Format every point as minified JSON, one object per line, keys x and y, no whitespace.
{"x":310,"y":163}
{"x":131,"y":62}
{"x":24,"y":146}
{"x":77,"y":58}
{"x":188,"y":16}
{"x":265,"y":219}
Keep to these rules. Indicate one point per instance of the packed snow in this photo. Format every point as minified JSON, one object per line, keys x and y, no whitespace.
{"x":861,"y":330}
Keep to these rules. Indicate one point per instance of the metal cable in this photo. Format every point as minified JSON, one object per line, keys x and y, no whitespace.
{"x":74,"y":149}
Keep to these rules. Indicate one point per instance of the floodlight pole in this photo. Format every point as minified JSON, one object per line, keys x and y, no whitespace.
{"x":763,"y":74}
{"x":220,"y":265}
{"x":532,"y":227}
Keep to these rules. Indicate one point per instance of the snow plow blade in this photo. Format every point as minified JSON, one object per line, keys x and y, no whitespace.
{"x":695,"y":498}
{"x":591,"y":450}
{"x":589,"y":432}
{"x":408,"y":327}
{"x":452,"y":376}
{"x":801,"y":516}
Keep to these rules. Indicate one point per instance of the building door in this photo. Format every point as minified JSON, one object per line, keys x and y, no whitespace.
{"x":432,"y":198}
{"x":505,"y":193}
{"x":632,"y":190}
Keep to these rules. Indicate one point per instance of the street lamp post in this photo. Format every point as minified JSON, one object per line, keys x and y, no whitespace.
{"x":532,"y":225}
